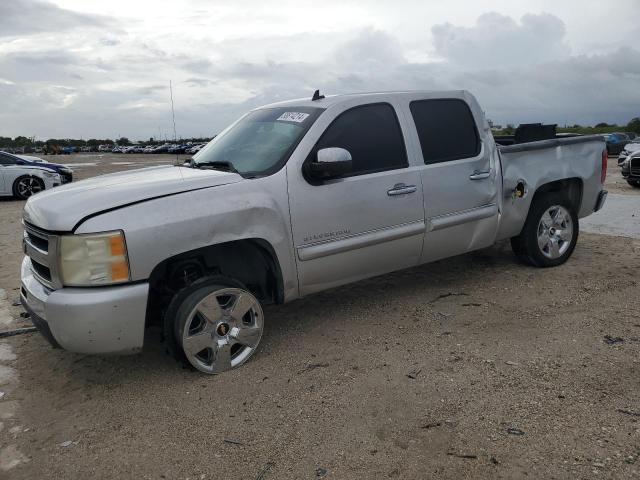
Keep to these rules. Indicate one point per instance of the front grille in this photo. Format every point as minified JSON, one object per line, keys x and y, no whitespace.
{"x":41,"y":270}
{"x":66,"y":177}
{"x":634,"y":166}
{"x":42,"y":243}
{"x":41,"y":248}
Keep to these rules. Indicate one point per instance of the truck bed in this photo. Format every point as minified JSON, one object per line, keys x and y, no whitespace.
{"x":534,"y":164}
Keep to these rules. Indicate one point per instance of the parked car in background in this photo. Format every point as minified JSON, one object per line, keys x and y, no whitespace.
{"x":631,"y":147}
{"x":615,"y":142}
{"x":162,"y":148}
{"x":295,"y":198}
{"x":66,"y":174}
{"x":68,"y":150}
{"x":22,"y":180}
{"x":195,"y":148}
{"x":630,"y":169}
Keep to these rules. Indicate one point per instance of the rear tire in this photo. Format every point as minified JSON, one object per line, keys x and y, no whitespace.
{"x":26,"y":186}
{"x":550,"y":233}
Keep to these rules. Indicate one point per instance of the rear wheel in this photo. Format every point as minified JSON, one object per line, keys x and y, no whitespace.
{"x":26,"y":186}
{"x":550,"y":232}
{"x":217,"y":324}
{"x":634,"y":183}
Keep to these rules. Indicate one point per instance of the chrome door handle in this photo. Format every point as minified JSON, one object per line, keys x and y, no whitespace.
{"x":478,"y":175}
{"x":401,"y":189}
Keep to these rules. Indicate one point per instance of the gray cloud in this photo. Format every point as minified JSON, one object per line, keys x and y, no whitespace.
{"x":499,"y":39}
{"x":519,"y":70}
{"x":23,"y":17}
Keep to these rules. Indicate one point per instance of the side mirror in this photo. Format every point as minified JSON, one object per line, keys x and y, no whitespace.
{"x":331,"y":163}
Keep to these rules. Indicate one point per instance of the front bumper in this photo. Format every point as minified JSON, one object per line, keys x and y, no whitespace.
{"x":97,"y":320}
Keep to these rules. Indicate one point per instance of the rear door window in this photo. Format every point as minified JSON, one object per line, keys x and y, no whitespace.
{"x":446,"y":129}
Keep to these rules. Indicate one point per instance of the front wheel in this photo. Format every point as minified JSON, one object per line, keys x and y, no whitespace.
{"x":634,"y":183}
{"x":550,"y":232}
{"x":26,"y":186}
{"x":217,"y":324}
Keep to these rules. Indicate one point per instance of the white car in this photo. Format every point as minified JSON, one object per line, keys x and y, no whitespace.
{"x":22,"y":181}
{"x":629,"y":149}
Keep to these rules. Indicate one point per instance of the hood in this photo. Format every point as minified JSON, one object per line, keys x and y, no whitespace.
{"x":62,"y":208}
{"x":39,"y":162}
{"x":632,"y":147}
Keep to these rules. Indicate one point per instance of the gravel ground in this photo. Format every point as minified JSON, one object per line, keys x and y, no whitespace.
{"x":472,"y":367}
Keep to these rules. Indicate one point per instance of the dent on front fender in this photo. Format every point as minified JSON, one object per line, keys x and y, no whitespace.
{"x":165,"y":227}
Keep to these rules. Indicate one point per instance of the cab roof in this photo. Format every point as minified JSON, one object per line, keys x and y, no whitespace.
{"x":331,"y":100}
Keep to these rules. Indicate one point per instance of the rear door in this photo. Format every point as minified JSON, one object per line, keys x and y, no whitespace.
{"x":460,"y":175}
{"x":368,"y":222}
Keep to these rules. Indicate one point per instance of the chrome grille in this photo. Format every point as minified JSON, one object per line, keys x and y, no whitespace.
{"x":42,"y":249}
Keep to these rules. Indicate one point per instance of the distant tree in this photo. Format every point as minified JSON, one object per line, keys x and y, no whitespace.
{"x":634,"y":125}
{"x":510,"y":129}
{"x":123,"y":141}
{"x":21,"y":141}
{"x":603,"y":125}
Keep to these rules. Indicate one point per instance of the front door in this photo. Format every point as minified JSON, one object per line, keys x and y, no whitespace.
{"x":367,"y":223}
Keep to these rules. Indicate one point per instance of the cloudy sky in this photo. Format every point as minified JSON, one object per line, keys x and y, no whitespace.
{"x":98,"y":68}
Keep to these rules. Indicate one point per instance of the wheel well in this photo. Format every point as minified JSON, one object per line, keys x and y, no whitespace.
{"x":572,"y":187}
{"x":252,"y":262}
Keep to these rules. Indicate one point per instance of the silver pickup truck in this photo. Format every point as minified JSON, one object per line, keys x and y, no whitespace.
{"x":293,"y":198}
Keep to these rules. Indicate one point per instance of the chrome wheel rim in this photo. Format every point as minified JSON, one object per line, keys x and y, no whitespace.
{"x":28,"y":186}
{"x":555,"y":232}
{"x":223,"y":330}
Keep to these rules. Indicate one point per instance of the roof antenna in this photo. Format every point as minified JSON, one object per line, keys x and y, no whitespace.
{"x":173,"y":116}
{"x":317,"y":96}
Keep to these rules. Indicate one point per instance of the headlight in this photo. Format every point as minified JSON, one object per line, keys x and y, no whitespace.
{"x":626,"y":162}
{"x":93,"y":259}
{"x":49,"y":174}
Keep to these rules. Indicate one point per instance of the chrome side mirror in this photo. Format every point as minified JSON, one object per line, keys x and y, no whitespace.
{"x":331,"y":163}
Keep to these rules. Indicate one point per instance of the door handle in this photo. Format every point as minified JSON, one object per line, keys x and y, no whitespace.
{"x":478,"y":175}
{"x":401,"y":189}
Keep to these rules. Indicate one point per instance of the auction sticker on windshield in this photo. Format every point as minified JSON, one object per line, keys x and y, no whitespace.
{"x":293,"y":117}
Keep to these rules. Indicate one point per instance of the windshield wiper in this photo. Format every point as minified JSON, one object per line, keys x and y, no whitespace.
{"x":218,"y":165}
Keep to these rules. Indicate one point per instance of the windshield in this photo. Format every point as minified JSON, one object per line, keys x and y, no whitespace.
{"x":260,"y":142}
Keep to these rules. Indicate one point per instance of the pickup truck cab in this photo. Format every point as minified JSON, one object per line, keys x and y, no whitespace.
{"x":293,"y":198}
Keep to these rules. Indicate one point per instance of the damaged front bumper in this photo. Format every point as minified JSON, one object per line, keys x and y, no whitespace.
{"x":96,"y":320}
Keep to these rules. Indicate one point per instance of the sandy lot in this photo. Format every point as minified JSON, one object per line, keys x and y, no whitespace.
{"x":473,"y":367}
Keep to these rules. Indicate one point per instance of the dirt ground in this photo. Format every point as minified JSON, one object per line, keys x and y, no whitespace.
{"x":473,"y":367}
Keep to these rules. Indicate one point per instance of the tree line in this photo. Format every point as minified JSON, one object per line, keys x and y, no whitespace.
{"x":632,"y":126}
{"x":31,"y":142}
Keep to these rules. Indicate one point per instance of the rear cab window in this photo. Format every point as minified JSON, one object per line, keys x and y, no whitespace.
{"x":446,"y":129}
